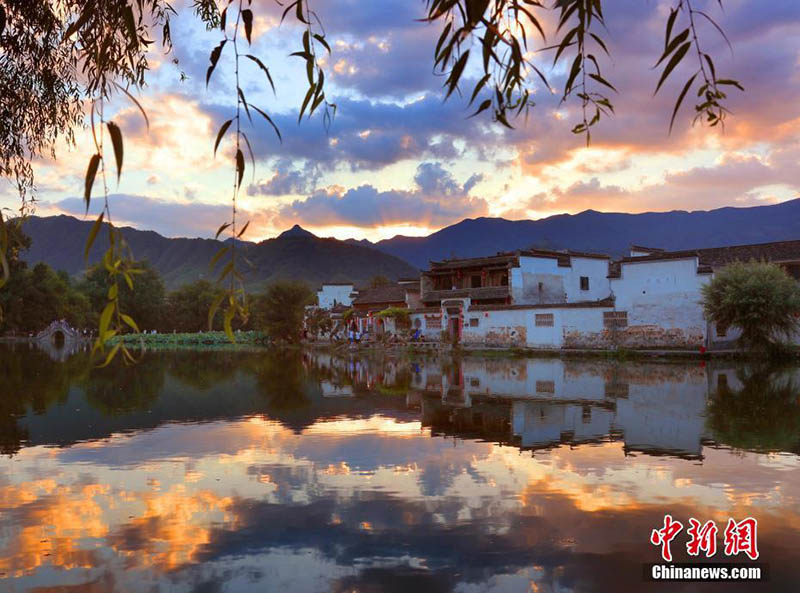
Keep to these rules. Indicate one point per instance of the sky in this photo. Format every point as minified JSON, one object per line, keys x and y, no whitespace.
{"x":398,"y":159}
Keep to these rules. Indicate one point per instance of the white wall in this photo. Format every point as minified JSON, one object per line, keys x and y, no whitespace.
{"x":332,"y":294}
{"x":662,"y":299}
{"x":559,"y":284}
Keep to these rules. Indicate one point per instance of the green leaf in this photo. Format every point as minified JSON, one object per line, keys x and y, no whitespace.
{"x":212,"y":311}
{"x":686,"y":88}
{"x":92,"y":236}
{"x":111,"y":354}
{"x":573,"y":74}
{"x":116,"y":142}
{"x":244,"y":102}
{"x":91,"y":172}
{"x":247,"y":17}
{"x":244,"y":228}
{"x":223,"y":128}
{"x":309,"y":94}
{"x":226,"y":323}
{"x":130,"y":322}
{"x":674,"y":61}
{"x":113,"y":292}
{"x":105,"y":319}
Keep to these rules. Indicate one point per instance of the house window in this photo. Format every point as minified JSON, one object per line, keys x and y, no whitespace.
{"x":722,"y":330}
{"x":541,"y":287}
{"x":584,"y":282}
{"x":473,"y":322}
{"x":504,"y":280}
{"x":586,"y":414}
{"x":545,"y":386}
{"x":612,"y":319}
{"x":544,"y":320}
{"x":476,"y":281}
{"x":474,"y":382}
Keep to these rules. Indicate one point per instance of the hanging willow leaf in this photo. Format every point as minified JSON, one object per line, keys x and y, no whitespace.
{"x":116,"y":142}
{"x":214,"y":58}
{"x":674,"y":61}
{"x":85,"y":16}
{"x":264,"y":68}
{"x":91,"y":172}
{"x":223,"y":128}
{"x":212,"y":311}
{"x":269,"y":121}
{"x":93,"y":235}
{"x":247,"y":17}
{"x":239,"y":166}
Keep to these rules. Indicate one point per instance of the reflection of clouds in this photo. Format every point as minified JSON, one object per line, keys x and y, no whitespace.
{"x":362,"y":502}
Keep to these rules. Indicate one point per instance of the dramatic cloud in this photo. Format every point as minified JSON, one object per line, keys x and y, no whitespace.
{"x":168,"y":217}
{"x":438,"y":200}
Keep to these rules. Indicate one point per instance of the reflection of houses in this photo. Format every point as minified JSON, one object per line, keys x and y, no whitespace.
{"x":554,"y":299}
{"x":652,"y":408}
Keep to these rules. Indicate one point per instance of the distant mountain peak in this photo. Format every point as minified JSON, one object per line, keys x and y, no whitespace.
{"x":295,"y":232}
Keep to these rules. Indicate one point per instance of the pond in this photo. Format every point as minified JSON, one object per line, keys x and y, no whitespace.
{"x":238,"y":471}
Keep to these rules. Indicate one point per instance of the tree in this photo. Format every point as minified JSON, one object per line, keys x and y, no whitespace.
{"x":36,"y":297}
{"x":144,"y":302}
{"x":187,"y":307}
{"x":280,"y":310}
{"x":759,"y":298}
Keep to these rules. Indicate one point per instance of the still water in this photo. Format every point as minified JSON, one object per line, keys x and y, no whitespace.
{"x":246,"y":471}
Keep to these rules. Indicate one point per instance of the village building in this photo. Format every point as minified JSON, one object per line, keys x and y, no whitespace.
{"x":403,"y":294}
{"x":571,"y":300}
{"x":332,"y":294}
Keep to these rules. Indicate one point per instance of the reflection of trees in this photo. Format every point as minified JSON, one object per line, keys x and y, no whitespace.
{"x":118,"y":388}
{"x":202,"y":370}
{"x":280,"y":379}
{"x":31,"y":381}
{"x":763,"y":415}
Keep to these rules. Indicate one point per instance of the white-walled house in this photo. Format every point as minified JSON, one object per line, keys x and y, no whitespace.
{"x":331,"y":295}
{"x":554,"y":300}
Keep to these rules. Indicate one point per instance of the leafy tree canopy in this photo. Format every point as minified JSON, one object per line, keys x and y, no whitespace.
{"x":758,"y":298}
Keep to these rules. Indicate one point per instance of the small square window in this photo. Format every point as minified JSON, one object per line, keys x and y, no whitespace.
{"x":544,"y":320}
{"x":584,"y":282}
{"x":545,"y":387}
{"x":473,"y":322}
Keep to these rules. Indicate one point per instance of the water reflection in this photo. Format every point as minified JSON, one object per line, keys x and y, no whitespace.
{"x":238,"y":471}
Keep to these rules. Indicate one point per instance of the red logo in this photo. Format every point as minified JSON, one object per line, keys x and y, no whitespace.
{"x":739,"y":537}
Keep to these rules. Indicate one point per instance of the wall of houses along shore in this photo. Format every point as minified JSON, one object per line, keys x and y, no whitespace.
{"x":661,"y":300}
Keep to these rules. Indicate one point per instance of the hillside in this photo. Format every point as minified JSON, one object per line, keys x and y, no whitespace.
{"x":609,"y":233}
{"x":297,"y":255}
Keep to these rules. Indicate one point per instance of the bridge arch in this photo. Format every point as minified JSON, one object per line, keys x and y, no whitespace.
{"x":59,"y":331}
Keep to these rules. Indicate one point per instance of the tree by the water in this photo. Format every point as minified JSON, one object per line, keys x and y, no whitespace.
{"x":759,"y":298}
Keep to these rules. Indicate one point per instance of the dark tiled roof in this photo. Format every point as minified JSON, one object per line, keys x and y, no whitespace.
{"x":715,"y":257}
{"x":512,"y":258}
{"x":650,"y":249}
{"x":584,"y":305}
{"x":387,"y":293}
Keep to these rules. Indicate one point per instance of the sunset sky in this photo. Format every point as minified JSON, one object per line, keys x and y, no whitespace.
{"x":399,"y":160}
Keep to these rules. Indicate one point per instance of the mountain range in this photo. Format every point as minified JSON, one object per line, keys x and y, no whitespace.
{"x":299,"y":254}
{"x":295,"y":255}
{"x":611,"y":233}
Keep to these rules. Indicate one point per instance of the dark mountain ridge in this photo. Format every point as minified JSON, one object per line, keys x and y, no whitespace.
{"x":604,"y":232}
{"x":296,"y":255}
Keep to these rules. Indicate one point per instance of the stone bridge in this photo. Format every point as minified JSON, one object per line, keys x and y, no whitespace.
{"x":69,"y":334}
